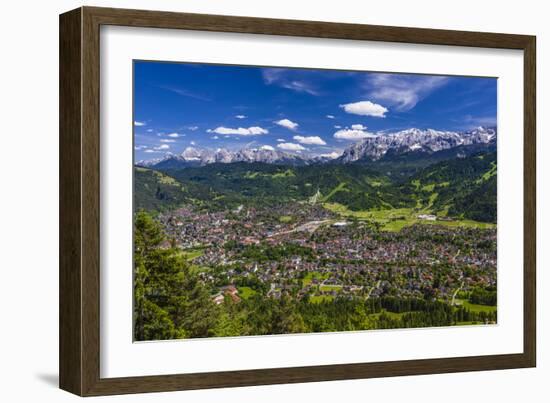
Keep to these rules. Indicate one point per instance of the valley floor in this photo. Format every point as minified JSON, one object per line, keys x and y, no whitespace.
{"x":397,"y":267}
{"x":399,"y":218}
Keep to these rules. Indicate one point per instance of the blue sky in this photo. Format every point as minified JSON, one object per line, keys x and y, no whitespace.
{"x":178,"y":105}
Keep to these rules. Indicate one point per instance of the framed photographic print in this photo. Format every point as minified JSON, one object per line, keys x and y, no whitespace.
{"x":249,"y":201}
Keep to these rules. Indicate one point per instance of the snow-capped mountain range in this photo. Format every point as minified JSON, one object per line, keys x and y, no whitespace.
{"x":193,"y":156}
{"x":416,"y":140}
{"x":374,"y":148}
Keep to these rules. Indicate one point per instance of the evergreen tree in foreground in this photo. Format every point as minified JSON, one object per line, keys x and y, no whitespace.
{"x":169,"y":301}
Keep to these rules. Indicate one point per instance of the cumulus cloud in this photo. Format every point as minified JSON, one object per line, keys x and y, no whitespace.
{"x":150,"y":151}
{"x":353,"y":134}
{"x":289,"y":124}
{"x":330,"y":116}
{"x":337,"y":126}
{"x":137,"y":123}
{"x":162,"y":147}
{"x":240,"y":116}
{"x":358,"y":127}
{"x":241,"y":131}
{"x":167,"y":141}
{"x":174,"y":135}
{"x":267,"y":148}
{"x":193,"y":128}
{"x":402,"y":91}
{"x":281,"y":140}
{"x":365,"y":108}
{"x":314,"y":140}
{"x":290,"y":147}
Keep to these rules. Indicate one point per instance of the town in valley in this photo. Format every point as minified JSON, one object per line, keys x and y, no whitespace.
{"x":284,"y":200}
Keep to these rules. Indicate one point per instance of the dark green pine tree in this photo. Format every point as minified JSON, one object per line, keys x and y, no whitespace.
{"x":169,"y":301}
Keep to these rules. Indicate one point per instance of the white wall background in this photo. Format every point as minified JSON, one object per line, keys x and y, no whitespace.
{"x":29,"y":199}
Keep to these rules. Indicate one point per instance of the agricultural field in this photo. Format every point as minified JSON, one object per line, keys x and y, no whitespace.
{"x":396,"y":219}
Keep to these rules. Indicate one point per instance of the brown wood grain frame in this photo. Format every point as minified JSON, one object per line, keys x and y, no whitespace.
{"x":79,"y":347}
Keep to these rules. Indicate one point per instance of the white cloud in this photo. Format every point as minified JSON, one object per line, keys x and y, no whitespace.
{"x":337,"y":126}
{"x":476,"y":121}
{"x":192,"y":143}
{"x":185,"y":93}
{"x":241,"y":131}
{"x":353,"y":134}
{"x":281,"y":140}
{"x":330,"y":116}
{"x":403,"y":91}
{"x":142,"y":147}
{"x":316,"y":140}
{"x":289,"y":79}
{"x":365,"y":108}
{"x":240,"y":116}
{"x":137,"y":123}
{"x":331,"y":155}
{"x":150,"y":151}
{"x":162,"y":147}
{"x":215,"y":137}
{"x":174,"y":135}
{"x":290,"y":147}
{"x":289,"y":124}
{"x":167,"y":141}
{"x":358,"y":127}
{"x":300,"y":86}
{"x":193,"y":128}
{"x":149,"y":130}
{"x":267,"y":148}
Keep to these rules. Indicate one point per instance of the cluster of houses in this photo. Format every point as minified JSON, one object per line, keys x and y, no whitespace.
{"x":346,"y":258}
{"x":227,"y":291}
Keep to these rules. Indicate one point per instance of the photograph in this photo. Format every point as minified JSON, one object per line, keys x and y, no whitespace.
{"x":274,"y":200}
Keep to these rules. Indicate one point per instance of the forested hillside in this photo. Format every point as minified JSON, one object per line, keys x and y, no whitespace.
{"x":462,"y":187}
{"x":459,"y":187}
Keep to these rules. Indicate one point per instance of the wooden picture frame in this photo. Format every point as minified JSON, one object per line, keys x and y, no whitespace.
{"x":79,"y":346}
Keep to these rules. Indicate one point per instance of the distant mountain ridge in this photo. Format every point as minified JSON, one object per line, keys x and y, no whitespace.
{"x":413,"y":142}
{"x":193,"y":156}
